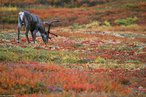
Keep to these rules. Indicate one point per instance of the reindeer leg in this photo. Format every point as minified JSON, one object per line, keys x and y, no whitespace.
{"x":33,"y":34}
{"x":26,"y":34}
{"x":19,"y":27}
{"x":18,"y":39}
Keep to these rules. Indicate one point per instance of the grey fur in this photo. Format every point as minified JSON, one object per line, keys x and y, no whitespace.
{"x":33,"y":24}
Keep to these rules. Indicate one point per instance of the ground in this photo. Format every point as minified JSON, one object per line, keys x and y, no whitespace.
{"x":100,"y":51}
{"x":81,"y":61}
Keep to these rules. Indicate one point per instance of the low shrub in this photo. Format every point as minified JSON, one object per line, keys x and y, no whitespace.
{"x":10,"y":9}
{"x":8,"y":19}
{"x":76,"y":26}
{"x":100,"y":60}
{"x":127,"y":21}
{"x":107,"y":23}
{"x":18,"y":54}
{"x":130,"y":5}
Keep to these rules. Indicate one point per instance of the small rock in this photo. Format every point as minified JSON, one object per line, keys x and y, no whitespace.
{"x":140,"y":88}
{"x":55,"y":89}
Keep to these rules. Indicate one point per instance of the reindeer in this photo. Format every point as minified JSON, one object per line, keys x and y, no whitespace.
{"x":34,"y":24}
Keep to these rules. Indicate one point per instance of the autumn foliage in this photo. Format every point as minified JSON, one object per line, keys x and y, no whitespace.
{"x":34,"y":78}
{"x":99,"y":51}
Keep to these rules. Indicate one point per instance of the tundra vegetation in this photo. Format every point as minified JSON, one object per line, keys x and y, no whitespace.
{"x":100,"y":50}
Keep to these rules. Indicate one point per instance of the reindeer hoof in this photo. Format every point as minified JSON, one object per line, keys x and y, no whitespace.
{"x":18,"y":41}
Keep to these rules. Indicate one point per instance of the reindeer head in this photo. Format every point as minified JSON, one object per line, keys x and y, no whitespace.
{"x":45,"y":37}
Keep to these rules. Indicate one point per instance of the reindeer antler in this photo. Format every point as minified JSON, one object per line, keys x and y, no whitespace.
{"x":49,"y":26}
{"x":51,"y":22}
